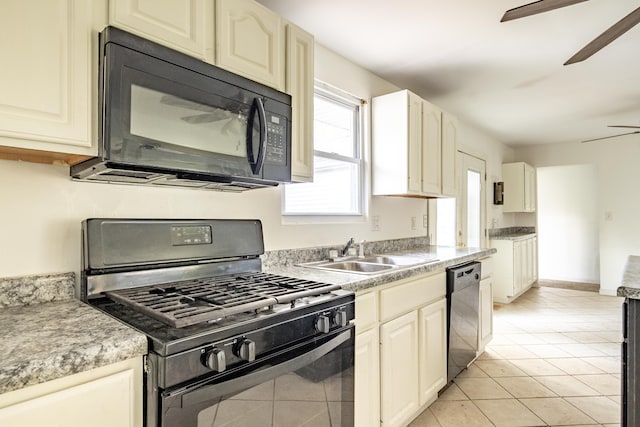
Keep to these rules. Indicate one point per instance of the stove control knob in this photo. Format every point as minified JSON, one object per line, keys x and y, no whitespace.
{"x":323,"y":324}
{"x":215,"y":359}
{"x":340,"y":317}
{"x":247,"y":350}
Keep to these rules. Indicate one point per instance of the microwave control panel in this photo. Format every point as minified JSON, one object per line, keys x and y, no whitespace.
{"x":276,"y":140}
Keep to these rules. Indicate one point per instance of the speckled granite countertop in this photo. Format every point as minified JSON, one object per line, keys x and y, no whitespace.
{"x":513,"y":236}
{"x":630,"y":286}
{"x":511,"y":233}
{"x":446,"y":257}
{"x":46,"y":334}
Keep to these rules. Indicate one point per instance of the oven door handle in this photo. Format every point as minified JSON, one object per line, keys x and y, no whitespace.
{"x":206,"y":394}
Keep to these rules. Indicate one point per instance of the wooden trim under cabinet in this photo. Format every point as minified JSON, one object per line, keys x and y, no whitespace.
{"x":40,"y":156}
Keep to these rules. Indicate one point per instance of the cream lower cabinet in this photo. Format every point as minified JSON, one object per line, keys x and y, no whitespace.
{"x":485,"y":312}
{"x":432,"y":360}
{"x":103,"y":397}
{"x":184,"y":25}
{"x":48,"y":77}
{"x":367,"y":361}
{"x":402,"y":374}
{"x":399,"y":369}
{"x":516,"y":267}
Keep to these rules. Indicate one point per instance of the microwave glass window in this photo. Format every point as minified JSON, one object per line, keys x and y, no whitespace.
{"x":177,"y":121}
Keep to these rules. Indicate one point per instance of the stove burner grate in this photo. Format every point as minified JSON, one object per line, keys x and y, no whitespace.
{"x":185,"y":303}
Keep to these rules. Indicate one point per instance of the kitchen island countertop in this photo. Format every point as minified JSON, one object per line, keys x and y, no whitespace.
{"x":630,"y":287}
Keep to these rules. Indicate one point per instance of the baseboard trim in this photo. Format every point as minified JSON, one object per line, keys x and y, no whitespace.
{"x":576,"y":286}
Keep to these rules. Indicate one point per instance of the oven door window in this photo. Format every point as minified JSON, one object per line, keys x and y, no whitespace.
{"x":278,"y":392}
{"x":157,"y":114}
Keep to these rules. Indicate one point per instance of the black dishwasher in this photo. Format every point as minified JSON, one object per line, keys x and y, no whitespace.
{"x":463,"y":299}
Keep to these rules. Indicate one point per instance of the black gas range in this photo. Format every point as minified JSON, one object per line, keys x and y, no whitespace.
{"x":226,"y":340}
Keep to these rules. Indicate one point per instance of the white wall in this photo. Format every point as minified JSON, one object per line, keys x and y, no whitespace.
{"x":617,"y":177}
{"x":567,"y":210}
{"x":41,"y":208}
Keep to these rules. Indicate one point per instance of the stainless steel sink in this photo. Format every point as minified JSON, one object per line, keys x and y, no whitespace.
{"x":368,"y":265}
{"x":392,"y":259}
{"x":355,"y":266}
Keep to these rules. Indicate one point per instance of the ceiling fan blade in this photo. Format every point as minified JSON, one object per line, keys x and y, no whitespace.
{"x":615,"y":31}
{"x":612,"y":136}
{"x":623,"y":126}
{"x":536,"y":7}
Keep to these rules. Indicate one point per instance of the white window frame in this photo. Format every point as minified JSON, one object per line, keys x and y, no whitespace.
{"x":336,"y":95}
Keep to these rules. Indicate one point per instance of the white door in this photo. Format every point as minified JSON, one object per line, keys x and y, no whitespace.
{"x":471,"y":205}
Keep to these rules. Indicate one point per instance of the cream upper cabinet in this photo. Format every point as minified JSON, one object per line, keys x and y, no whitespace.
{"x":519,"y":187}
{"x":449,"y":148}
{"x":250,"y":41}
{"x":398,"y":370}
{"x":397,"y":144}
{"x":184,"y":25}
{"x":433,"y":350}
{"x":49,"y":74}
{"x":103,"y":397}
{"x":431,"y":148}
{"x":299,"y":84}
{"x":413,"y":147}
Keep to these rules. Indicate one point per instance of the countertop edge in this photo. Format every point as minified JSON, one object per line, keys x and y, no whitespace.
{"x":630,"y":286}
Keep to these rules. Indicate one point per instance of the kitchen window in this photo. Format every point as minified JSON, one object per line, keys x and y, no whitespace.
{"x":337,"y":178}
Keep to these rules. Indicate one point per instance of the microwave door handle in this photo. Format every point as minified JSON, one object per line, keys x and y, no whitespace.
{"x":257,"y":161}
{"x":213,"y":391}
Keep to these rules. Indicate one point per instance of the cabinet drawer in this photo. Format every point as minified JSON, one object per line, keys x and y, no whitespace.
{"x":366,"y":311}
{"x":412,"y":294}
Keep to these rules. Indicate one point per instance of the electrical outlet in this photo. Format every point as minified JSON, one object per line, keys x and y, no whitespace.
{"x":375,"y":223}
{"x":425,"y":221}
{"x":413,"y":222}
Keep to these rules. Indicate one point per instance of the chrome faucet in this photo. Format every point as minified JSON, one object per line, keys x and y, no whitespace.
{"x":345,"y":250}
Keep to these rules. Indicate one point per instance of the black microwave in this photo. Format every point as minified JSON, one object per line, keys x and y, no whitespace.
{"x":170,"y":119}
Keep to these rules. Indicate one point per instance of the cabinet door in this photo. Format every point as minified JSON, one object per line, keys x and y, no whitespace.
{"x":48,"y":74}
{"x":431,"y":148}
{"x":367,"y":374}
{"x":184,"y":25}
{"x":105,"y":402}
{"x":250,"y":41}
{"x":399,"y":398}
{"x":415,"y":143}
{"x":485,"y":313}
{"x":449,"y":148}
{"x":534,"y":258}
{"x":518,"y":266}
{"x":433,"y":350}
{"x":299,"y":82}
{"x":530,"y":188}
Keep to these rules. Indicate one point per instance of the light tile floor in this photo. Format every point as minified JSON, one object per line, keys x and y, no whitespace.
{"x":554,"y":361}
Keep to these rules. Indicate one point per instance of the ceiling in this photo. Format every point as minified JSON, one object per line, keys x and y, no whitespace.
{"x":506,"y":79}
